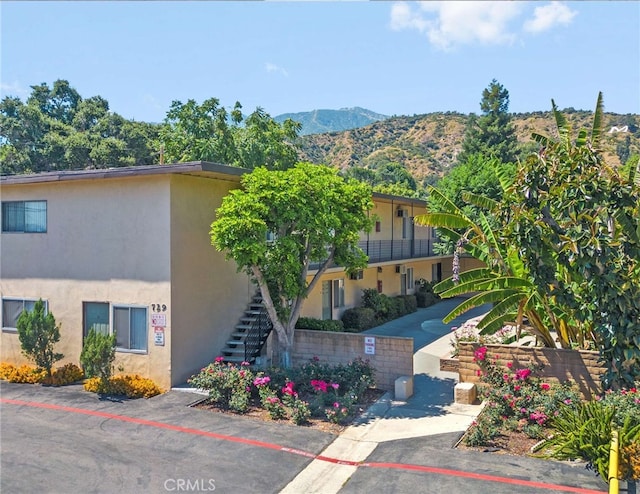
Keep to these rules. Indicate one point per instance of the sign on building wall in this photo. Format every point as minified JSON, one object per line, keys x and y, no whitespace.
{"x":158,"y":336}
{"x":159,"y":320}
{"x":369,"y":345}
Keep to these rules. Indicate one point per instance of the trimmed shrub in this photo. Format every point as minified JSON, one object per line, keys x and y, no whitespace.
{"x":38,"y":334}
{"x":29,"y":374}
{"x":320,"y":324}
{"x":425,"y":299}
{"x":129,"y":385}
{"x":399,"y":305}
{"x":374,"y":300}
{"x":410,"y":303}
{"x":359,"y":318}
{"x":98,"y":354}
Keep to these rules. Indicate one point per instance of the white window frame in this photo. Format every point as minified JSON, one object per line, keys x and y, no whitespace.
{"x":25,"y":223}
{"x":338,"y":293}
{"x":410,"y":282}
{"x":23,"y":300}
{"x":112,"y":326}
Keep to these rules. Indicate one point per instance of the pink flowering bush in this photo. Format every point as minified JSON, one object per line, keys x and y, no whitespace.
{"x":314,"y":389}
{"x":515,"y":399}
{"x":228,"y":385}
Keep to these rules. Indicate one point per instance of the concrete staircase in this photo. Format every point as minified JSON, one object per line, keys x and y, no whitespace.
{"x":250,"y":334}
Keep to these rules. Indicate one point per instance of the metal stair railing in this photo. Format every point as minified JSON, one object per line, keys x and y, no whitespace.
{"x":257,"y":335}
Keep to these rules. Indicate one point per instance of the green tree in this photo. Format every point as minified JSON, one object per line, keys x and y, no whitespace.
{"x":207,"y":132}
{"x":577,"y":222}
{"x":38,"y":335}
{"x":58,"y":130}
{"x":492,"y":134}
{"x":314,"y":215}
{"x":477,"y":175}
{"x":195,"y":132}
{"x":264,"y":142}
{"x":565,"y":252}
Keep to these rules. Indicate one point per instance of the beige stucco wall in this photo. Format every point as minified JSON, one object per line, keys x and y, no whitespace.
{"x":208,"y":296}
{"x":385,"y":211}
{"x":105,"y":242}
{"x":384,"y":272}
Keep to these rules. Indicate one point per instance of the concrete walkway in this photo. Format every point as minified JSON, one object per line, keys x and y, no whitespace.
{"x":430,"y":411}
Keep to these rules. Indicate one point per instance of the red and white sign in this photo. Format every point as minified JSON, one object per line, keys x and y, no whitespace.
{"x":159,"y":320}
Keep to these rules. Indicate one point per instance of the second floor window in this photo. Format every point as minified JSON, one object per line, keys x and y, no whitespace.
{"x":24,"y":217}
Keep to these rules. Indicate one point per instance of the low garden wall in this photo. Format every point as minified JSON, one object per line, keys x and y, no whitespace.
{"x":579,"y":366}
{"x":392,"y":357}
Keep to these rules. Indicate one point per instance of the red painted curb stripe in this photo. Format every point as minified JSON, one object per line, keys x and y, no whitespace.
{"x":261,"y":444}
{"x":480,"y":476}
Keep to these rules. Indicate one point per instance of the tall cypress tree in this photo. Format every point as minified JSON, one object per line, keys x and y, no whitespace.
{"x":491,"y":134}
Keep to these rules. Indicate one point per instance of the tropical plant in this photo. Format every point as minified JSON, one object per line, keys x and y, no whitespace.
{"x":585,"y":431}
{"x":38,"y":334}
{"x":576,"y":222}
{"x":504,"y":281}
{"x":564,"y":254}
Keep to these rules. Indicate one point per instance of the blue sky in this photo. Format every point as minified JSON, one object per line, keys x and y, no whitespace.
{"x":395,"y":58}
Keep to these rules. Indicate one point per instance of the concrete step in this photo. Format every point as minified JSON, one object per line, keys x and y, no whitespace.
{"x":233,"y":343}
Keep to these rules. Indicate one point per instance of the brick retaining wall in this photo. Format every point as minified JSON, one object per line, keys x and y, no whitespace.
{"x":560,"y":365}
{"x":393,"y":355}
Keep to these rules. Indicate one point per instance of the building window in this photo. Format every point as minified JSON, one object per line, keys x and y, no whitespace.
{"x":24,"y":217}
{"x":13,"y":307}
{"x":95,"y":315}
{"x":130,"y":326}
{"x":338,"y":293}
{"x":378,"y":227}
{"x":358,"y":275}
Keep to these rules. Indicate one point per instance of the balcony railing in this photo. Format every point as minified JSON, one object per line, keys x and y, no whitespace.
{"x":393,"y":250}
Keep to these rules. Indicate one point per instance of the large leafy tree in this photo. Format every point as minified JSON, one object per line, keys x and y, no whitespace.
{"x":313,"y":214}
{"x":565,"y":251}
{"x":56,"y":129}
{"x":577,"y":223}
{"x":209,"y":132}
{"x":492,"y":133}
{"x":387,"y":178}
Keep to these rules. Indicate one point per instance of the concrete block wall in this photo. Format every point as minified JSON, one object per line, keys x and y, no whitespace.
{"x":393,"y":356}
{"x":560,"y":365}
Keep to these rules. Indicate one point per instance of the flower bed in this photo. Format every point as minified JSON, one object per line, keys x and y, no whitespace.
{"x":314,"y":390}
{"x":67,"y":374}
{"x":523,"y":409}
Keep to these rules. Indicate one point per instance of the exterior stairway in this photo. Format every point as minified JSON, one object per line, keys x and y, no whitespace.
{"x":250,"y":334}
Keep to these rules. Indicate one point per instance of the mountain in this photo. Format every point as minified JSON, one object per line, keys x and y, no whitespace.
{"x":320,"y":121}
{"x":427,"y":145}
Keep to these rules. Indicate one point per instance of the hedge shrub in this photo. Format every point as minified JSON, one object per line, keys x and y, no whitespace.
{"x":359,"y":318}
{"x":320,"y":324}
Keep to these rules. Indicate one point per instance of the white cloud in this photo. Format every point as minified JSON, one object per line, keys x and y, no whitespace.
{"x":448,"y":24}
{"x":14,"y":89}
{"x":548,"y":16}
{"x":272,"y":67}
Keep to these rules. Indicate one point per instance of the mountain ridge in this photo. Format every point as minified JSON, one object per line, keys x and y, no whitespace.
{"x":428,"y":144}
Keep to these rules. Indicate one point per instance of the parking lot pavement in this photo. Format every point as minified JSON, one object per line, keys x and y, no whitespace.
{"x":66,"y":440}
{"x":454,"y":471}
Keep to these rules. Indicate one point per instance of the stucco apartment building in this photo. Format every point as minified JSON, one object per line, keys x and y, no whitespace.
{"x":128,"y":250}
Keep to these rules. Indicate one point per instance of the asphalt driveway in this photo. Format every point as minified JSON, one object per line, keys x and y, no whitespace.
{"x":66,"y":440}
